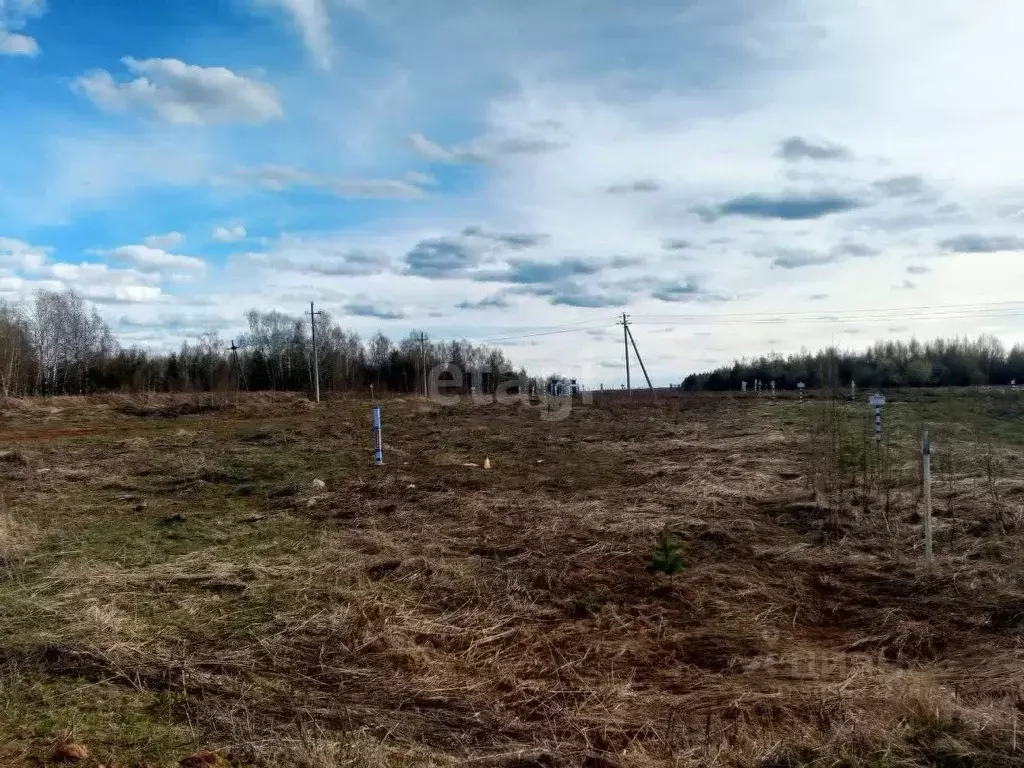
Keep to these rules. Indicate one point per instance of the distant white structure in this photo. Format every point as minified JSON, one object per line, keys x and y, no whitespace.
{"x":773,"y":387}
{"x":563,"y":387}
{"x":743,"y":386}
{"x":853,"y":389}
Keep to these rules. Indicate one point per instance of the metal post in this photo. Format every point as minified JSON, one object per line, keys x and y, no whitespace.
{"x":378,"y":443}
{"x":316,"y":354}
{"x":926,"y":473}
{"x":877,"y":401}
{"x":423,"y":361}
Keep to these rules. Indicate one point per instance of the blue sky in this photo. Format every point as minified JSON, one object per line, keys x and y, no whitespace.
{"x":737,"y":175}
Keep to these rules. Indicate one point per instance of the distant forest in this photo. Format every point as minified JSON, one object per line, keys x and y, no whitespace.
{"x":57,"y":344}
{"x":940,"y":363}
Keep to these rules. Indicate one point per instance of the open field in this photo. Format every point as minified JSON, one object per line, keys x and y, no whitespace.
{"x":173,"y":585}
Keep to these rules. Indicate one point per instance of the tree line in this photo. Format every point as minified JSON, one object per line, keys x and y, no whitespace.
{"x":958,"y":362}
{"x":56,"y":343}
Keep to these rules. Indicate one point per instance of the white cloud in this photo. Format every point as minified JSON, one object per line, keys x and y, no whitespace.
{"x":16,"y":254}
{"x":164,"y":242}
{"x":420,"y":179}
{"x":280,"y":178}
{"x":484,"y":150}
{"x":16,"y":44}
{"x":231,"y":233}
{"x":310,"y":16}
{"x":14,"y":14}
{"x":86,"y":273}
{"x":182,"y":94}
{"x":154,"y":259}
{"x":720,"y":90}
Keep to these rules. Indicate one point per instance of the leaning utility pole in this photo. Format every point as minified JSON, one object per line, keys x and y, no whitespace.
{"x":423,"y":361}
{"x":316,"y":356}
{"x":642,"y":368}
{"x":625,"y":345}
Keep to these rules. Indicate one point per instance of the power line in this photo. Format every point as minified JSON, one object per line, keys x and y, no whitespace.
{"x":549,"y":330}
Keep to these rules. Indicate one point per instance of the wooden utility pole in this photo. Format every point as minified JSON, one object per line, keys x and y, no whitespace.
{"x":625,"y":346}
{"x":316,"y":354}
{"x":423,"y":361}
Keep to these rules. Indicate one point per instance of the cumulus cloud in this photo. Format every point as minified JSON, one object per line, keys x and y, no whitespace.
{"x":687,"y":290}
{"x":851,"y":248}
{"x":150,"y":259}
{"x":585,"y":299}
{"x":183,"y":94}
{"x":903,"y":186}
{"x":460,"y":255}
{"x":794,"y":258}
{"x":14,"y":15}
{"x":785,"y":207}
{"x":163,"y":242}
{"x":515,"y":241}
{"x":230,"y":233}
{"x":92,"y":274}
{"x":17,"y":254}
{"x":442,"y":257}
{"x":367,"y":309}
{"x":527,"y":272}
{"x":979,"y":243}
{"x":796,"y":148}
{"x":318,"y":256}
{"x":497,"y":301}
{"x":17,"y":44}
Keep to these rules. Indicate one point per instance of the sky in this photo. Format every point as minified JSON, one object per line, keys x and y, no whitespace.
{"x":739,"y":176}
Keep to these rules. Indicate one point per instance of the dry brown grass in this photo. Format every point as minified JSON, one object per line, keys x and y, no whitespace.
{"x":435,"y":614}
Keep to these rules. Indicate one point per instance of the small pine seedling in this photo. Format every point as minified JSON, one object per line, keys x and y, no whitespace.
{"x":667,"y":556}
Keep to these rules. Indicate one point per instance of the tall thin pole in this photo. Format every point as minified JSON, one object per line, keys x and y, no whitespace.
{"x":625,"y":345}
{"x":926,"y":467}
{"x":316,"y":354}
{"x":642,"y":367}
{"x":238,"y":367}
{"x":423,"y":361}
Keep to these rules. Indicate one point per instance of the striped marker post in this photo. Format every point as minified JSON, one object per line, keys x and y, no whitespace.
{"x":378,"y":443}
{"x":877,"y":401}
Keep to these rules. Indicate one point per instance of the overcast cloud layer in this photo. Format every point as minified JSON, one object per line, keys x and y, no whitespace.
{"x":737,"y":175}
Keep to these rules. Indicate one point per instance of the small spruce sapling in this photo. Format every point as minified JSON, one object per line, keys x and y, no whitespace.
{"x":667,"y":556}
